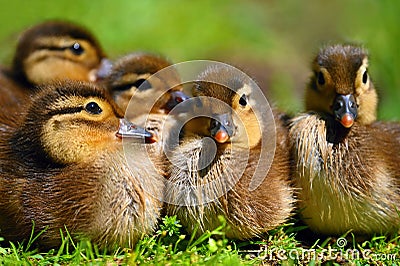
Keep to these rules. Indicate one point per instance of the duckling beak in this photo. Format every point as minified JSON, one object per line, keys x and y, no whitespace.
{"x":221,"y":127}
{"x":103,"y":71}
{"x":345,"y":109}
{"x":129,"y":130}
{"x":176,"y":97}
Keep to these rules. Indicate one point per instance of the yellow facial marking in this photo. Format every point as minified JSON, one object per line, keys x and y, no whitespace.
{"x":242,"y":104}
{"x":57,"y":61}
{"x":320,"y":94}
{"x":75,"y":136}
{"x":362,"y":81}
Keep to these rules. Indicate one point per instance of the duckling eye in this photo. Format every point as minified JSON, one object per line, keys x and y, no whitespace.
{"x":93,"y":108}
{"x":365,"y":77}
{"x":77,"y":49}
{"x":320,"y":78}
{"x":243,"y":100}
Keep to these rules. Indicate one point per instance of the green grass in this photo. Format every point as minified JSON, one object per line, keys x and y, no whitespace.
{"x":274,"y":41}
{"x":170,"y":245}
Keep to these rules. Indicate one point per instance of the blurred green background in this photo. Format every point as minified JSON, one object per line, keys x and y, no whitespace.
{"x":273,"y":41}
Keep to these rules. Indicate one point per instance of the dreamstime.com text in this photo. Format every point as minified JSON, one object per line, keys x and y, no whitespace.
{"x":322,"y":254}
{"x":275,"y":254}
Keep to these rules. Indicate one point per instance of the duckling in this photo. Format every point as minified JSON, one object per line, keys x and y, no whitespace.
{"x":221,"y":153}
{"x":346,"y":163}
{"x":49,"y":51}
{"x":133,"y":75}
{"x":341,"y":85}
{"x":56,"y":50}
{"x":154,"y":94}
{"x":64,"y":166}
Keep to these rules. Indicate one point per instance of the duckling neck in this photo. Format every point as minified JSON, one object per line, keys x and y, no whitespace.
{"x":19,"y":77}
{"x":335,"y":132}
{"x":29,"y":151}
{"x":205,"y":171}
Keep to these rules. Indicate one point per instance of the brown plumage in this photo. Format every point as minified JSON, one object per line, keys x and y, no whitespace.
{"x":341,"y":70}
{"x":226,"y":124}
{"x":56,"y":50}
{"x":154,"y":94}
{"x":133,"y":75}
{"x":63,"y":165}
{"x":348,"y":174}
{"x":52,"y":50}
{"x":12,"y":93}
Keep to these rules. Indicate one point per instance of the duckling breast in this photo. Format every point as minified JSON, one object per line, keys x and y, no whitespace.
{"x":341,"y":183}
{"x":131,"y":195}
{"x":113,"y":200}
{"x":207,"y":180}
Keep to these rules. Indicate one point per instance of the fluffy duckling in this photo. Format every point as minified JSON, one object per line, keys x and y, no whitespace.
{"x":64,"y":166}
{"x":133,"y":75}
{"x":56,"y":50}
{"x":52,"y":50}
{"x":220,"y":156}
{"x":154,"y":94}
{"x":346,"y":165}
{"x":341,"y":85}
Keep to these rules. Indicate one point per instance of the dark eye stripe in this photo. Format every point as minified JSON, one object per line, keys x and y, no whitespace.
{"x":69,"y":110}
{"x":124,"y":87}
{"x":75,"y":49}
{"x":141,"y":84}
{"x":52,"y":48}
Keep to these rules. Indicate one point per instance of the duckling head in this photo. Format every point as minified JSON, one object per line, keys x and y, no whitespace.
{"x":71,"y":122}
{"x":341,"y":86}
{"x":223,"y":107}
{"x":56,"y":50}
{"x":133,"y":74}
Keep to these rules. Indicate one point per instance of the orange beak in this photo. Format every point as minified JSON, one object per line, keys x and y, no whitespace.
{"x":221,"y":128}
{"x":345,"y":109}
